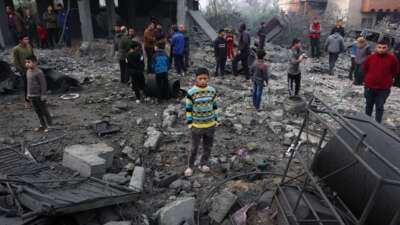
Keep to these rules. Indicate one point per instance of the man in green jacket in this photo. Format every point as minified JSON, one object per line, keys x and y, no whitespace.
{"x":20,"y":53}
{"x":123,"y":49}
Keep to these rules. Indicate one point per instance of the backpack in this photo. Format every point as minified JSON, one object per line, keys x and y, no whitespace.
{"x":160,"y":63}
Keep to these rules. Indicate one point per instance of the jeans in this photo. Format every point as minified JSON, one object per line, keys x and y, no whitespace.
{"x":257,"y":94}
{"x":179,"y":64}
{"x":315,"y":47}
{"x":149,"y":54}
{"x":333,"y":57}
{"x":221,"y":62}
{"x":137,"y":83}
{"x":358,"y":74}
{"x":207,"y":134}
{"x":243,"y":57}
{"x":352,"y":68}
{"x":25,"y":83}
{"x":124,"y":73}
{"x":52,"y":35}
{"x":162,"y":85}
{"x":67,"y":36}
{"x":186,"y":59}
{"x":41,"y":110}
{"x":294,"y":79}
{"x":378,"y":98}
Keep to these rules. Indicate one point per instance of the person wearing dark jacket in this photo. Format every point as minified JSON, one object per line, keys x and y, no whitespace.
{"x":159,"y":34}
{"x":260,"y":75}
{"x":220,"y":52}
{"x":64,"y":24}
{"x":243,"y":52}
{"x":50,"y":21}
{"x":135,"y":68}
{"x":380,"y":70}
{"x":338,"y":28}
{"x":186,"y":54}
{"x":178,"y":51}
{"x":149,"y":44}
{"x":262,"y":33}
{"x":30,"y":23}
{"x":123,"y":49}
{"x":161,"y":67}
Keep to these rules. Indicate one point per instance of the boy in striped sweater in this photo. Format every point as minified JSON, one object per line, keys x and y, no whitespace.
{"x":202,"y":119}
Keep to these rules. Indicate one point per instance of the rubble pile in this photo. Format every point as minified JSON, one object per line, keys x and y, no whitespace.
{"x":148,"y":151}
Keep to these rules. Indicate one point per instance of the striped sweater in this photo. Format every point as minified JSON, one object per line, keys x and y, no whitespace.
{"x":201,"y":107}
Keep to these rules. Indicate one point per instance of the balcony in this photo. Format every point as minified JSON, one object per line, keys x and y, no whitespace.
{"x":380,"y":6}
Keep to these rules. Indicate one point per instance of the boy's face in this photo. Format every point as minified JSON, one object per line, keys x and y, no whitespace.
{"x":29,"y":64}
{"x":222,"y":34}
{"x":131,"y":32}
{"x":202,"y":80}
{"x":25,"y":41}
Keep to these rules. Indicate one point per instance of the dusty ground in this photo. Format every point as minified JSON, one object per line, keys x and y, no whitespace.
{"x":242,"y":127}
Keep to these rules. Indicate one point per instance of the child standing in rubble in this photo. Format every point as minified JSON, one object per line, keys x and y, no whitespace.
{"x":230,"y":44}
{"x":135,"y":63}
{"x":37,"y":91}
{"x":296,"y":56}
{"x":202,"y":119}
{"x":161,"y":67}
{"x":260,"y":75}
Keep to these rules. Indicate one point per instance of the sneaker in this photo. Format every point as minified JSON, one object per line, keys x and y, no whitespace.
{"x":204,"y":169}
{"x":188,"y":172}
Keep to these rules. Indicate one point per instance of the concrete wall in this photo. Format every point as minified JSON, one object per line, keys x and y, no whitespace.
{"x":355,"y":17}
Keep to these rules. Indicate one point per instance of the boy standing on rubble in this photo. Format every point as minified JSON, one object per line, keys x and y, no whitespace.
{"x":202,"y":119}
{"x":37,"y":91}
{"x":135,"y":63}
{"x":220,"y":52}
{"x":296,"y":56}
{"x":260,"y":75}
{"x":161,"y":67}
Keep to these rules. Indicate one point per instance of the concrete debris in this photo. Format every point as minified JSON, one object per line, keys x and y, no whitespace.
{"x":115,"y":178}
{"x":153,"y":138}
{"x":181,"y":185}
{"x":119,"y":223}
{"x":88,"y":160}
{"x":169,"y":116}
{"x":138,"y":179}
{"x":177,"y":212}
{"x":221,"y":205}
{"x":165,"y":179}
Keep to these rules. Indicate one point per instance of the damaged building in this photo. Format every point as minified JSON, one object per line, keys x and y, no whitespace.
{"x":95,"y":18}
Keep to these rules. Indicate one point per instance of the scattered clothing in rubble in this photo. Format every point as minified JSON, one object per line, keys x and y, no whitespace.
{"x":135,"y":67}
{"x":379,"y":70}
{"x":260,"y":75}
{"x":334,"y":45}
{"x":220,"y":53}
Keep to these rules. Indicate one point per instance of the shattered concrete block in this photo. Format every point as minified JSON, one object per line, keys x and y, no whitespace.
{"x":115,"y":178}
{"x":277,"y":115}
{"x":181,"y":184}
{"x":177,"y":212}
{"x":119,"y":223}
{"x":238,"y":128}
{"x":169,"y":116}
{"x":221,"y":205}
{"x":138,"y":178}
{"x":88,"y":160}
{"x":153,"y":138}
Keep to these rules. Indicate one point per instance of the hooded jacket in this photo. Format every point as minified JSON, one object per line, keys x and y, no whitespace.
{"x":334,"y":44}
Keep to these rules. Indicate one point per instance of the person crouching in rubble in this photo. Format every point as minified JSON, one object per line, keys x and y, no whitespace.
{"x":160,"y":65}
{"x":296,"y":56}
{"x":135,"y":64}
{"x":260,"y":74}
{"x":37,"y":91}
{"x":202,"y":119}
{"x":220,"y":52}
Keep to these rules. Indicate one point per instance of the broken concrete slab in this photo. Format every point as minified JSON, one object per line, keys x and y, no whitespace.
{"x":153,"y":138}
{"x":177,"y":212}
{"x":165,"y":179}
{"x":119,"y":223}
{"x":221,"y":205}
{"x":88,"y":160}
{"x":115,"y":178}
{"x":138,"y":178}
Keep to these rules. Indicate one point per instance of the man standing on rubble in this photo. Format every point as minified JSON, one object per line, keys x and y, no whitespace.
{"x":220,"y":52}
{"x":64,"y":24}
{"x":20,"y":53}
{"x":123,"y":49}
{"x":338,"y":28}
{"x":178,"y":50}
{"x":334,"y":45}
{"x":149,"y":44}
{"x":361,"y":53}
{"x":243,"y":52}
{"x":262,"y":34}
{"x":186,"y":54}
{"x":315,"y":35}
{"x":380,"y":69}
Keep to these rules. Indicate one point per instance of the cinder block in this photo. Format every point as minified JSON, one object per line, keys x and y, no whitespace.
{"x":88,"y":160}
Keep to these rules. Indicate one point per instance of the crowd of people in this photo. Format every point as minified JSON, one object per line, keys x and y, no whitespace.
{"x":50,"y":30}
{"x":376,"y":70}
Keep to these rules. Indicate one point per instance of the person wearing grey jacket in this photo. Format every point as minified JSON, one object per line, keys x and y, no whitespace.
{"x":296,"y":56}
{"x":362,"y":51}
{"x":37,"y":91}
{"x":334,"y":45}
